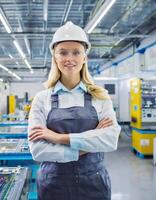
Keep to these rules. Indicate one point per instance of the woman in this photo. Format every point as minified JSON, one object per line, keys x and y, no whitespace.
{"x":71,"y":125}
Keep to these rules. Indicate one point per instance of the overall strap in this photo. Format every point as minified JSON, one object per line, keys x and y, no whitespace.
{"x":87,"y":99}
{"x":54,"y":101}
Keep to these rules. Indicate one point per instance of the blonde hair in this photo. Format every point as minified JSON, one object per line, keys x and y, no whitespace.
{"x":95,"y":90}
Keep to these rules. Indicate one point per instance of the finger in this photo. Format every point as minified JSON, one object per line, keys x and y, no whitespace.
{"x":35,"y":135}
{"x":36,"y":138}
{"x":37,"y":127}
{"x":105,"y":124}
{"x":101,"y":123}
{"x":34,"y":132}
{"x":39,"y":137}
{"x":105,"y":120}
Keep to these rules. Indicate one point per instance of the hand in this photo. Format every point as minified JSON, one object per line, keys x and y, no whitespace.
{"x":39,"y":132}
{"x":104,"y":123}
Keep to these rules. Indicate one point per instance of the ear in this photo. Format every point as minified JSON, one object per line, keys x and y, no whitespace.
{"x":85,"y":59}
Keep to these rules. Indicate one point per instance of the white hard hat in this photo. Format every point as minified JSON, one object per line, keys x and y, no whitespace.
{"x":70,"y":32}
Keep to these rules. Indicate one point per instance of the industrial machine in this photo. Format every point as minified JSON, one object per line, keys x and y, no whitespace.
{"x":143,"y":114}
{"x":18,"y":108}
{"x":14,"y":146}
{"x":11,"y":104}
{"x":12,"y":182}
{"x":143,"y":103}
{"x":16,"y":183}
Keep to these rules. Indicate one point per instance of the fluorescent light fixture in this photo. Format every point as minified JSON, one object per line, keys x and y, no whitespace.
{"x":27,"y":45}
{"x":10,"y":72}
{"x":101,"y":78}
{"x":31,"y":71}
{"x":4,"y":68}
{"x":45,"y":10}
{"x":20,"y":22}
{"x":118,"y":41}
{"x":16,"y":76}
{"x":100,"y":14}
{"x":10,"y":56}
{"x":1,"y":80}
{"x":4,"y":21}
{"x":19,"y":49}
{"x":21,"y":53}
{"x":26,"y":62}
{"x":28,"y":65}
{"x":67,"y":13}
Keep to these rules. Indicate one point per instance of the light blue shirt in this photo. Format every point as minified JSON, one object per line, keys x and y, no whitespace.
{"x":96,"y":140}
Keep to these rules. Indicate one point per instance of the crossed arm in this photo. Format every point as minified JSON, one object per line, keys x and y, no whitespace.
{"x":40,"y":132}
{"x":47,"y":145}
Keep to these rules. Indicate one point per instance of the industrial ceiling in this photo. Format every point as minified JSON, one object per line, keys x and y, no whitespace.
{"x":32,"y":23}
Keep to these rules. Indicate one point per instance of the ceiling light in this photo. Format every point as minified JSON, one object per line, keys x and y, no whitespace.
{"x":26,"y":62}
{"x":4,"y":21}
{"x":10,"y":56}
{"x":45,"y":10}
{"x":16,"y":76}
{"x":67,"y":13}
{"x":10,"y":72}
{"x":31,"y":71}
{"x":21,"y":53}
{"x":19,"y":49}
{"x":28,"y":65}
{"x":5,"y":68}
{"x":100,"y":14}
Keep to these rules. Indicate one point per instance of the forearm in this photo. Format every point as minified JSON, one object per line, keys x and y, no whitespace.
{"x":63,"y":139}
{"x":43,"y":151}
{"x":98,"y":140}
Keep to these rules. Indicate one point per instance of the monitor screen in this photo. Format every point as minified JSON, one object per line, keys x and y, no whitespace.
{"x":110,"y":88}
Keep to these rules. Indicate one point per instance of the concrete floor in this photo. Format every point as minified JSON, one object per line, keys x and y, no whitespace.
{"x":132,"y":178}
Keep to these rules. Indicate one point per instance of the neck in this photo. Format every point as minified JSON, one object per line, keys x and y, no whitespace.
{"x":71,"y":82}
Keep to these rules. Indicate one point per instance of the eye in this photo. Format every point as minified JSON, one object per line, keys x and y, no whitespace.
{"x":76,"y":53}
{"x":63,"y":53}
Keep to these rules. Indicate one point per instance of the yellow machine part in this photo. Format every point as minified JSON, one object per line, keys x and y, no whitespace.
{"x":27,"y":107}
{"x":12,"y":104}
{"x":143,"y":142}
{"x":135,"y":103}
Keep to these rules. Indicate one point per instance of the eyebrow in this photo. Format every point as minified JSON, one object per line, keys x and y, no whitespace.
{"x":68,"y":49}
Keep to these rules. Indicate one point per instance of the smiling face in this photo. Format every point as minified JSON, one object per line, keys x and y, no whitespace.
{"x":70,"y":57}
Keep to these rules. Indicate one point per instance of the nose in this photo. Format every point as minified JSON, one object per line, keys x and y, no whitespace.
{"x":70,"y":56}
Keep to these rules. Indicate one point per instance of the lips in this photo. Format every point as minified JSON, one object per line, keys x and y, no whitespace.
{"x":70,"y":66}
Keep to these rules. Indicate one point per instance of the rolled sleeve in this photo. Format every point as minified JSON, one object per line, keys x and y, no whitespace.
{"x":98,"y":140}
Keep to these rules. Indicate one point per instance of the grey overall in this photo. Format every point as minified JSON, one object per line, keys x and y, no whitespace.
{"x":85,"y":179}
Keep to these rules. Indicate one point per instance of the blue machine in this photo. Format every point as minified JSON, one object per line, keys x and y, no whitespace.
{"x":14,"y":151}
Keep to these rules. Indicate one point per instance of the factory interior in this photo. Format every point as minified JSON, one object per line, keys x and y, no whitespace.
{"x":122,"y":59}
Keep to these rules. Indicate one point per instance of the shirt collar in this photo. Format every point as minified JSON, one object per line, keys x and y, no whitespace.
{"x":59,"y":87}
